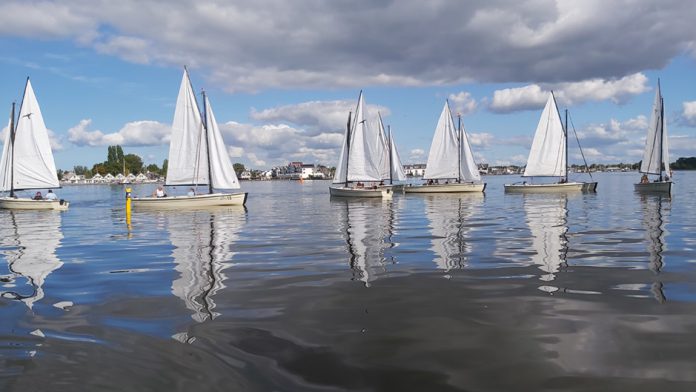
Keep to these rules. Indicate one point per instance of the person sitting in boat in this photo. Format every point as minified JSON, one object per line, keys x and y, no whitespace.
{"x":430,"y":182}
{"x":359,"y":185}
{"x":51,"y":196}
{"x":644,"y":179}
{"x":191,"y":192}
{"x":159,"y":192}
{"x":38,"y":196}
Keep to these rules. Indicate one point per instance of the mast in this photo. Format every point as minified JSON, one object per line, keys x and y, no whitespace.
{"x":662,"y":129}
{"x":459,"y":146}
{"x":12,"y":130}
{"x":207,"y":143}
{"x":348,"y":146}
{"x":391,"y":179}
{"x":565,"y":131}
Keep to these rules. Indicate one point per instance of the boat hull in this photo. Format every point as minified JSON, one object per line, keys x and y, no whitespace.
{"x":445,"y":188}
{"x":382,"y":192}
{"x":198,"y":201}
{"x":547,"y":188}
{"x":654,"y":187}
{"x":12,"y":203}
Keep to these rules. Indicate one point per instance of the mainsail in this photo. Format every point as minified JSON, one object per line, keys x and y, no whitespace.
{"x":362,"y":150}
{"x":27,"y":162}
{"x":547,"y":158}
{"x":450,"y":154}
{"x":188,"y":153}
{"x":656,"y":146}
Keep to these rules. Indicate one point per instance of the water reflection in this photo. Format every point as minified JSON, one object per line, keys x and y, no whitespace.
{"x":547,"y":218}
{"x":448,"y":220}
{"x":367,"y":225}
{"x":29,"y":240}
{"x":203,"y":243}
{"x":655,"y":233}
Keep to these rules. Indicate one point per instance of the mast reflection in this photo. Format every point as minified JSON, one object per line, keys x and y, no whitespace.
{"x":203,"y":247}
{"x":655,"y":233}
{"x":29,"y":241}
{"x":448,"y":219}
{"x":547,"y":218}
{"x":367,"y":225}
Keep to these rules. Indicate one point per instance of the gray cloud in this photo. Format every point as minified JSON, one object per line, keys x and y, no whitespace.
{"x":254,"y":45}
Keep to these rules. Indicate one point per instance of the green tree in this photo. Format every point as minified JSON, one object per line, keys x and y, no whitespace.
{"x":134,"y":164}
{"x":81,"y":170}
{"x":238,"y":168}
{"x":152,"y":168}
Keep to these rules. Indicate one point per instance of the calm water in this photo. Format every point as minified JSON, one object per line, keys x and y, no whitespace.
{"x":303,"y":292}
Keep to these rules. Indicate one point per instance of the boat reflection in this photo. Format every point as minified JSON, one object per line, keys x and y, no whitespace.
{"x":547,"y":218}
{"x":367,"y":226}
{"x":29,"y":240}
{"x":448,"y":220}
{"x":203,"y":248}
{"x":655,"y":233}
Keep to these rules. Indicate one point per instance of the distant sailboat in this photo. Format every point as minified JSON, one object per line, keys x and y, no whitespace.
{"x":451,"y":167}
{"x":656,"y":154}
{"x":27,"y":160}
{"x":548,"y":156}
{"x":361,"y":169}
{"x":197,"y":156}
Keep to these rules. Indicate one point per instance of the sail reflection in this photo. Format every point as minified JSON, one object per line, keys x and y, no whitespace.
{"x":547,"y":218}
{"x":448,"y":220}
{"x":368,"y":229}
{"x":29,"y":240}
{"x":203,"y":248}
{"x":654,"y":224}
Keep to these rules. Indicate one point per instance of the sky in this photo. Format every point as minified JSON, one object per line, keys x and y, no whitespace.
{"x":282,"y":75}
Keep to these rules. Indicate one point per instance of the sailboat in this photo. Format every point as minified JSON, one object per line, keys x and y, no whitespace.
{"x":360,"y":171}
{"x":197,"y":156}
{"x":450,"y":167}
{"x":656,"y":154}
{"x":549,"y":156}
{"x":29,"y":240}
{"x":27,"y":160}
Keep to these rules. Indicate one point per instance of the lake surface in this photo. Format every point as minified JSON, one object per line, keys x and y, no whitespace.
{"x":302,"y":292}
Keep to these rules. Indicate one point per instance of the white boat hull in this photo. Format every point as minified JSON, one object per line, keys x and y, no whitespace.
{"x":445,"y":188}
{"x":548,"y":188}
{"x":175,"y":202}
{"x":384,"y":192}
{"x":654,"y":187}
{"x":12,"y":203}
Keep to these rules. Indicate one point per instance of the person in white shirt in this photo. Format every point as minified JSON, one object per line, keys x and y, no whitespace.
{"x":51,"y":196}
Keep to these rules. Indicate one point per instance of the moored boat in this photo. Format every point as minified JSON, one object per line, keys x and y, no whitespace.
{"x":656,"y":154}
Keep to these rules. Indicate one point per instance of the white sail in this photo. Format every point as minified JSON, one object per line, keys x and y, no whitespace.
{"x":221,"y":168}
{"x":5,"y":165}
{"x":341,"y":174}
{"x":188,"y":154}
{"x":365,"y":150}
{"x":443,"y":157}
{"x":468,"y":167}
{"x":30,"y":155}
{"x":652,"y":155}
{"x":31,"y":239}
{"x":397,"y":169}
{"x":548,"y":154}
{"x":665,"y":147}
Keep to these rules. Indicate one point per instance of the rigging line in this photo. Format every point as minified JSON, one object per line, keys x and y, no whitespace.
{"x":587,"y":168}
